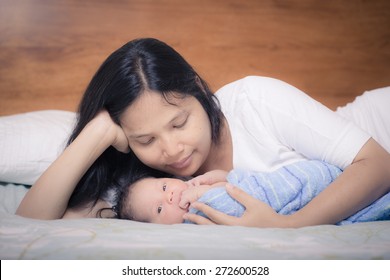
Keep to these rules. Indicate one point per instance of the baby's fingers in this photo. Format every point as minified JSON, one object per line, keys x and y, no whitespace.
{"x":195,"y":182}
{"x":184,"y":204}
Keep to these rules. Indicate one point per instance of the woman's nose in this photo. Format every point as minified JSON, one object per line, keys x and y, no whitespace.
{"x":172,"y":147}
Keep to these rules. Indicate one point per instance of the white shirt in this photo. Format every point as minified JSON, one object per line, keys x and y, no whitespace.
{"x":273,"y":124}
{"x":370,"y":111}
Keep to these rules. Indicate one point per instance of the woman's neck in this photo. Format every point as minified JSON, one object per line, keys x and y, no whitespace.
{"x":221,"y":153}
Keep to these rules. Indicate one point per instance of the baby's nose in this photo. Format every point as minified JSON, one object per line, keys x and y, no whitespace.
{"x":170,"y":197}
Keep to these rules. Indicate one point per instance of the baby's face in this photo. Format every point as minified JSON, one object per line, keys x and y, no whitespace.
{"x":156,"y":200}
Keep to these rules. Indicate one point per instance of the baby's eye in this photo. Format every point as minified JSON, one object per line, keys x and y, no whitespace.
{"x":164,"y":187}
{"x":159,"y":209}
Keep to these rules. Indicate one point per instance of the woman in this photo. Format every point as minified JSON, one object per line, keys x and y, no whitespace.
{"x":147,"y":101}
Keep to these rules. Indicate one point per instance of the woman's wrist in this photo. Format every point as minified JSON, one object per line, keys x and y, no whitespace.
{"x":289,"y":221}
{"x":109,"y":132}
{"x":99,"y":132}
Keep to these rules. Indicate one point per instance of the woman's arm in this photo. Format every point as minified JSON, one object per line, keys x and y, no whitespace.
{"x":301,"y":125}
{"x":48,"y":197}
{"x":360,"y":184}
{"x":364,"y":181}
{"x":101,"y":209}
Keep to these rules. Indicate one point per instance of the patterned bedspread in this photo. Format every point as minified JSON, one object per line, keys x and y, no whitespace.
{"x":22,"y":238}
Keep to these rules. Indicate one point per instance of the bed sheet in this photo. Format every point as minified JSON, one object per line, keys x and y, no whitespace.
{"x":23,"y":238}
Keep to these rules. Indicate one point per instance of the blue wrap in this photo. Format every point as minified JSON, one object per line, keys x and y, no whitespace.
{"x":287,"y":190}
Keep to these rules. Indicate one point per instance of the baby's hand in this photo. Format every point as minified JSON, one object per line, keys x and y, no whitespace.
{"x":188,"y":196}
{"x":192,"y":194}
{"x":209,"y":178}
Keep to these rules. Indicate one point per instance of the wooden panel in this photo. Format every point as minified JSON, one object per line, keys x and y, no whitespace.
{"x":333,"y":50}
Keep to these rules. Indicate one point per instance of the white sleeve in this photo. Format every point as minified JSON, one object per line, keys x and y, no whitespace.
{"x":370,"y":111}
{"x":300,"y":123}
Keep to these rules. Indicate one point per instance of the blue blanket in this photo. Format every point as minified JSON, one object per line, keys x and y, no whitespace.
{"x":287,"y":190}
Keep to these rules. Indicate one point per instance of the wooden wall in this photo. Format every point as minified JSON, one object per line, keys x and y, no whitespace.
{"x":333,"y":50}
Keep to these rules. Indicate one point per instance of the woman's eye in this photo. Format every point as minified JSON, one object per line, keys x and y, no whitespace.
{"x":164,"y":187}
{"x":181,"y":124}
{"x":146,"y":142}
{"x":159,"y":209}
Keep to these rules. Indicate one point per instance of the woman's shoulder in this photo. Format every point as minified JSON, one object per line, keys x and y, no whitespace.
{"x":231,"y":92}
{"x":246,"y":80}
{"x":258,"y":84}
{"x":259,"y":90}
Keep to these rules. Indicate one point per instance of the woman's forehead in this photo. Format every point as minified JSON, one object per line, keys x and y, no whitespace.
{"x":153,"y":109}
{"x":161,"y":98}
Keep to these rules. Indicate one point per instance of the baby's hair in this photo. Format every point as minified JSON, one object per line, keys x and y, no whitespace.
{"x":122,"y":207}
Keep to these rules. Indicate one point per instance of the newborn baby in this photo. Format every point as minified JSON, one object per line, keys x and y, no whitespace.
{"x":286,"y":190}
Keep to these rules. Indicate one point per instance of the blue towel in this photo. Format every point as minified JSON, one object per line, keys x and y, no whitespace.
{"x":287,"y":190}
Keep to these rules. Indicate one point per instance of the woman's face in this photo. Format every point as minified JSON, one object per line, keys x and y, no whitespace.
{"x":174,"y":137}
{"x":157,"y":200}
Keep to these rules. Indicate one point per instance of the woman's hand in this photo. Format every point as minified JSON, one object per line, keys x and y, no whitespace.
{"x":257,"y":213}
{"x":56,"y":185}
{"x":115,"y":132}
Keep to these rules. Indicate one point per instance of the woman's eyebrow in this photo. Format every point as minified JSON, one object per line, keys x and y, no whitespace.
{"x":178,"y":116}
{"x":135,"y":136}
{"x":173,"y":119}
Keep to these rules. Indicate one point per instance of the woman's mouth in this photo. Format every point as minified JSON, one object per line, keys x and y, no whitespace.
{"x":184,"y":163}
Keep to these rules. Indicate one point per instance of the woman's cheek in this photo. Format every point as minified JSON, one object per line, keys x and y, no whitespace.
{"x":141,"y":153}
{"x":149,"y":157}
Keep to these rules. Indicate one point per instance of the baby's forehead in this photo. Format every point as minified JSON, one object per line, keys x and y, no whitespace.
{"x":142,"y":189}
{"x":145,"y":181}
{"x":148,"y":182}
{"x":155,"y":182}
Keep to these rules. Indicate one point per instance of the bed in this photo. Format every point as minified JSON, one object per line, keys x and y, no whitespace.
{"x":22,"y":238}
{"x":31,"y":141}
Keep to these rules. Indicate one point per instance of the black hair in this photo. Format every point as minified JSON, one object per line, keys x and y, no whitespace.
{"x":139,"y":65}
{"x":121,"y":195}
{"x":122,"y":207}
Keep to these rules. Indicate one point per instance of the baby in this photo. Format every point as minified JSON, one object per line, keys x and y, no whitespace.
{"x":286,"y":190}
{"x":164,"y":200}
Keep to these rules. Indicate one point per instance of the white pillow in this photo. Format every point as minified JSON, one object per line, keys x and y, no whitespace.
{"x":30,"y":142}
